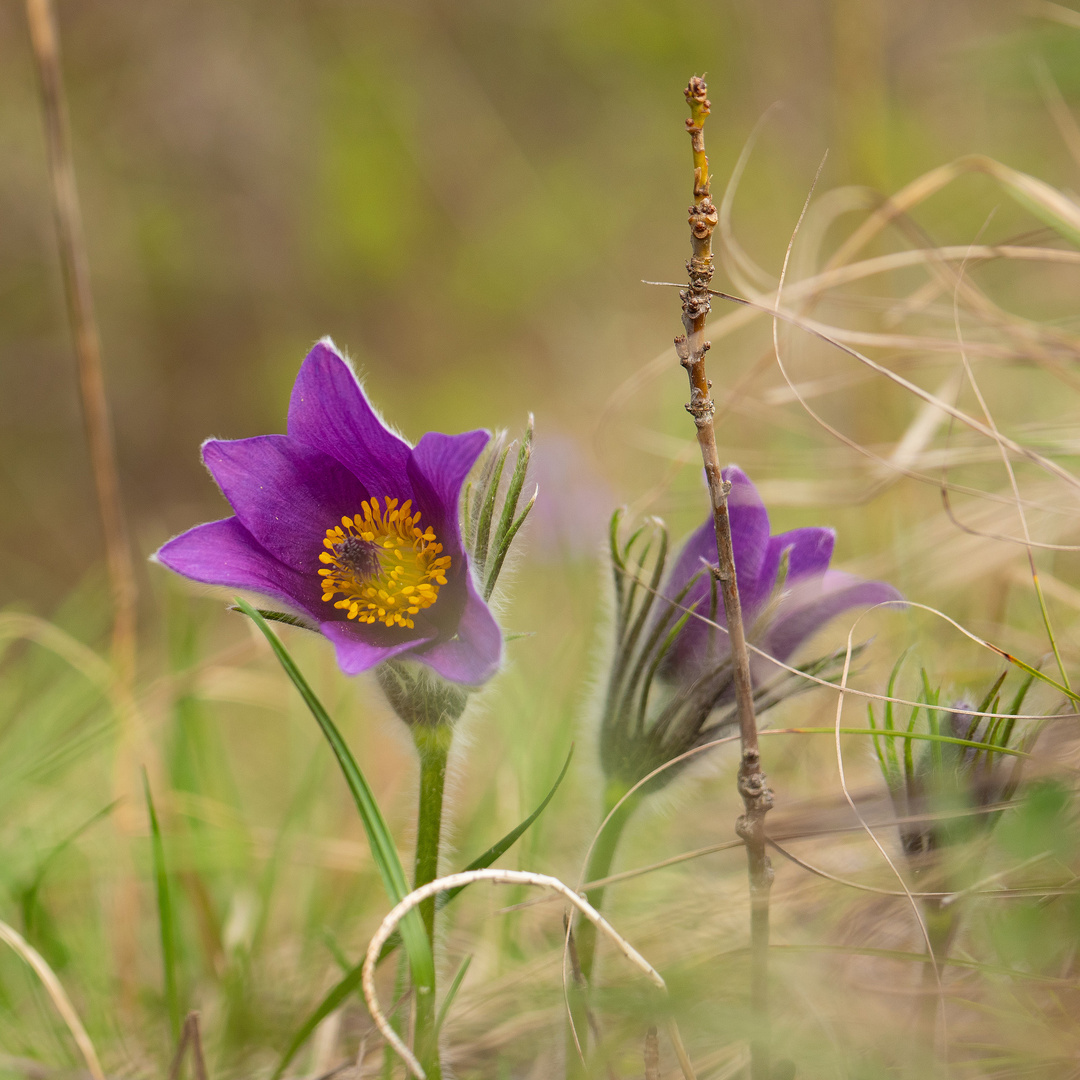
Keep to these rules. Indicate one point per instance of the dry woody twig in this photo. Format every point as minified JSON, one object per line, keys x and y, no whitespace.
{"x":76,"y":271}
{"x":691,"y":347}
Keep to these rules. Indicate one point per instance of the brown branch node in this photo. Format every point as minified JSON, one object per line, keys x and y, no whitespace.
{"x":703,"y":216}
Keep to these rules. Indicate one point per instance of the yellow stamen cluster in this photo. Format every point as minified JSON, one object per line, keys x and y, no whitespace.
{"x":384,"y":565}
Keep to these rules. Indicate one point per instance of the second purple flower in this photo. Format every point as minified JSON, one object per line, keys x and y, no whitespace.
{"x":671,"y":686}
{"x":786,"y":588}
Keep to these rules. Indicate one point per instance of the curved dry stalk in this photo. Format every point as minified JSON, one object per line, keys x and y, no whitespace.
{"x":941,"y":279}
{"x":891,"y":465}
{"x":925,"y":395}
{"x":15,"y":624}
{"x":58,"y":994}
{"x":730,"y":250}
{"x":977,"y":889}
{"x":895,"y":467}
{"x":1006,"y":461}
{"x":1057,"y":13}
{"x":453,"y":881}
{"x":674,"y":860}
{"x":76,"y":271}
{"x":848,"y":274}
{"x":994,"y":434}
{"x":918,"y":190}
{"x":932,"y":400}
{"x":1056,"y":106}
{"x":850,"y":646}
{"x":841,"y":686}
{"x":834,"y":335}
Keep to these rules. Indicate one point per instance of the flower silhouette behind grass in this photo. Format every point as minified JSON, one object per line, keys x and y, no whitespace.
{"x":351,"y":528}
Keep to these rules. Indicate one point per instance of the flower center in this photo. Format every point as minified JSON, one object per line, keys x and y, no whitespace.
{"x":385,"y":566}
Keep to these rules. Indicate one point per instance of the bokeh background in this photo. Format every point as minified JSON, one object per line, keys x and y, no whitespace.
{"x":466,"y":197}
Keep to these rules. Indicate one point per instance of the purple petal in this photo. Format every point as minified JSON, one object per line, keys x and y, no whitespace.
{"x":285,"y":494}
{"x":225,"y":553}
{"x":443,"y":462}
{"x":473,"y":656}
{"x":356,"y":652}
{"x":749,"y":542}
{"x":749,"y":530}
{"x":330,"y":412}
{"x":699,"y":549}
{"x":813,"y":605}
{"x":809,"y":551}
{"x":687,"y":654}
{"x":750,"y":545}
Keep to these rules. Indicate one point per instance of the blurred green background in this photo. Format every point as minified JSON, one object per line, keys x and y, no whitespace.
{"x":465,"y":196}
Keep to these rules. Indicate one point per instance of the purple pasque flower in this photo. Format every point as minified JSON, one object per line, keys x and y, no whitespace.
{"x":346,"y":524}
{"x":667,"y":629}
{"x":780,"y":610}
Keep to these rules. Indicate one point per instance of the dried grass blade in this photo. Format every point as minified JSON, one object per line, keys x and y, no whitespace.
{"x":166,"y":921}
{"x":59,"y":997}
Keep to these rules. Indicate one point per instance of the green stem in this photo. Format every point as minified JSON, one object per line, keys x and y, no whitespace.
{"x":941,"y":924}
{"x":433,"y":746}
{"x":600,"y":863}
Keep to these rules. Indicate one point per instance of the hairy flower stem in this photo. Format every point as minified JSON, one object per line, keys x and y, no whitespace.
{"x":433,"y":745}
{"x":599,"y":866}
{"x":603,"y":854}
{"x":941,"y":925}
{"x":691,"y":348}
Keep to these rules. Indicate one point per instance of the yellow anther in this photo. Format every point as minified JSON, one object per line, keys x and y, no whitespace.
{"x":353,"y":571}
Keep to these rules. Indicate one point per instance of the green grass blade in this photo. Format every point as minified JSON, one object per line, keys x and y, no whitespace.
{"x":383,"y":849}
{"x":482,"y":862}
{"x":28,"y":897}
{"x":281,"y":617}
{"x":336,"y":951}
{"x":1035,"y":673}
{"x":907,"y":736}
{"x":351,"y":981}
{"x":1014,"y":707}
{"x":890,"y":722}
{"x":500,"y":847}
{"x":165,"y":914}
{"x":336,"y":997}
{"x":1017,"y":702}
{"x":984,"y":705}
{"x":459,"y":978}
{"x":933,"y":721}
{"x":885,"y":771}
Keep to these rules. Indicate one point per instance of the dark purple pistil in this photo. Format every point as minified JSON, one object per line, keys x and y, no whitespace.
{"x":359,"y":556}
